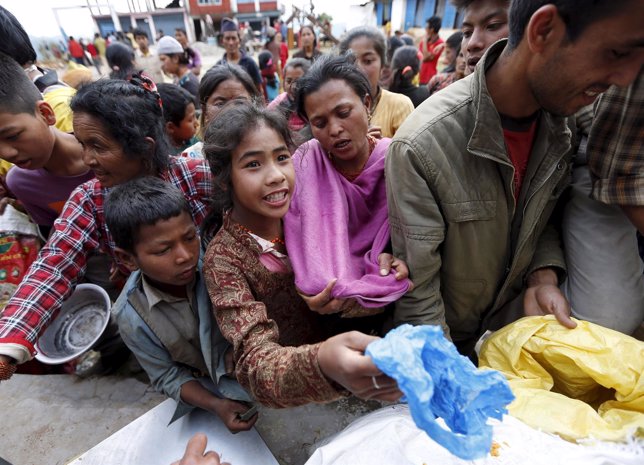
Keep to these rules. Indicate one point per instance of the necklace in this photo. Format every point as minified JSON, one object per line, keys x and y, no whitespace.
{"x":352,"y":175}
{"x":276,"y":240}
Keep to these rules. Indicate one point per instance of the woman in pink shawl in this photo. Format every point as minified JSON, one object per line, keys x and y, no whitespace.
{"x":336,"y":229}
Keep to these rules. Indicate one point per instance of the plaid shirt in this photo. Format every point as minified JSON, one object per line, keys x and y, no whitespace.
{"x":616,"y":146}
{"x":78,"y":231}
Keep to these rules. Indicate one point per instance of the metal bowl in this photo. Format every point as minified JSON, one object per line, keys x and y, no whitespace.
{"x":80,"y":322}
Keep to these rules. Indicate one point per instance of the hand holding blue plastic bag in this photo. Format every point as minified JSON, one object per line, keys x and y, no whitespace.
{"x":439,"y":382}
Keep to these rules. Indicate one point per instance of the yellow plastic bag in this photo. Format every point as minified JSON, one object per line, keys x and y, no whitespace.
{"x":579,"y":383}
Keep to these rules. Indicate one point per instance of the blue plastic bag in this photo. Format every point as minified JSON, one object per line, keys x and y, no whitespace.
{"x":439,"y":382}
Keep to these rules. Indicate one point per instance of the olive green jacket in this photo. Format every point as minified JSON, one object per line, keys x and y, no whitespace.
{"x":453,"y":216}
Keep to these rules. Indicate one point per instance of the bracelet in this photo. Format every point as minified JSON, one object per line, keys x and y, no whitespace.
{"x":6,"y":370}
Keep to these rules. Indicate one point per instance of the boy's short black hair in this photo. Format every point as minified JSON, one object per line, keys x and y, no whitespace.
{"x":576,"y":14}
{"x":15,"y":41}
{"x":463,"y":4}
{"x":435,"y":23}
{"x":139,"y":32}
{"x":140,"y":202}
{"x":175,"y":100}
{"x":17,"y":93}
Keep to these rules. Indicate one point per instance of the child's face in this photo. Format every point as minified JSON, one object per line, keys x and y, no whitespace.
{"x":103,"y":154}
{"x":450,"y":54}
{"x":291,"y":75}
{"x":368,"y":60}
{"x":167,"y":252}
{"x":186,"y":128}
{"x":339,"y":120}
{"x":226,"y":91}
{"x":142,"y":42}
{"x":26,"y":140}
{"x":262,"y":177}
{"x":169,"y":65}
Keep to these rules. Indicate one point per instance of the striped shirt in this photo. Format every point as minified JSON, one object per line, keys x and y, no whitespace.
{"x":79,"y":231}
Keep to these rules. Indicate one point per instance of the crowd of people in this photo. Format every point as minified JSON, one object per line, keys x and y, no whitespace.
{"x":256,"y":241}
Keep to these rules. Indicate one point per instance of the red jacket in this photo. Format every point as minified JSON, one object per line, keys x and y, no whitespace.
{"x":75,"y":49}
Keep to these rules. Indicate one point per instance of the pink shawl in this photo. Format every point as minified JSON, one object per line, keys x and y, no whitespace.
{"x":336,"y":228}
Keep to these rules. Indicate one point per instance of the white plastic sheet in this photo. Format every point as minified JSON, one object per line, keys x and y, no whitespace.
{"x":389,"y":437}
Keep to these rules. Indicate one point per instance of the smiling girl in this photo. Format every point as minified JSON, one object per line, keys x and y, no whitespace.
{"x":282,"y":351}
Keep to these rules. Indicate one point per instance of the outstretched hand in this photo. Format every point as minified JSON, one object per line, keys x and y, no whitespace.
{"x":229,"y":411}
{"x":195,"y":453}
{"x":341,"y":358}
{"x":543,"y":297}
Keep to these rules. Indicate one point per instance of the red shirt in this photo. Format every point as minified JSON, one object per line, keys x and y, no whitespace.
{"x":519,"y":145}
{"x":428,"y":68}
{"x":75,"y":49}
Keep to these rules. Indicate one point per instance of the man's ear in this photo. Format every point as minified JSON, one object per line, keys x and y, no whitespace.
{"x":46,"y":111}
{"x":127,"y":258}
{"x":545,"y":29}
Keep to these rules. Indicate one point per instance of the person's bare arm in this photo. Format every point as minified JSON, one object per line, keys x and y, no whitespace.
{"x":635,"y":213}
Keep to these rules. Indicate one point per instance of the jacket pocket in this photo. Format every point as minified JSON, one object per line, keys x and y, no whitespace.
{"x":463,"y":306}
{"x":471,"y":210}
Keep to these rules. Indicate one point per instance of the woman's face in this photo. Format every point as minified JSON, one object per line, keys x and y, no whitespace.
{"x":226,"y":91}
{"x":291,"y":75}
{"x":460,"y":64}
{"x":450,"y":54}
{"x":368,"y":60}
{"x":169,"y":64}
{"x":307,"y":37}
{"x":339,"y":121}
{"x":103,"y":154}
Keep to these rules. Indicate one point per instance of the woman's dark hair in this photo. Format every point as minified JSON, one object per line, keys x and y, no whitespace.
{"x":405,"y":65}
{"x":394,"y":44}
{"x":221,"y":73}
{"x":454,"y":42}
{"x":315,"y":37}
{"x":325,"y":69}
{"x":223,"y":135}
{"x":302,"y":63}
{"x":175,"y":99}
{"x":15,"y":41}
{"x":130,"y":112}
{"x":141,"y":202}
{"x":371,"y":33}
{"x":120,"y":59}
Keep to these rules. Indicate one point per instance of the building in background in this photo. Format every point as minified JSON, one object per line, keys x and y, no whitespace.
{"x":408,"y":14}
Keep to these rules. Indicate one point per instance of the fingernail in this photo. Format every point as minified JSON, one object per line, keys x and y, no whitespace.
{"x":383,"y":272}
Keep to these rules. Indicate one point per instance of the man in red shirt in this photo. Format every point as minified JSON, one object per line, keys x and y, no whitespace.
{"x":75,"y":50}
{"x":431,"y":47}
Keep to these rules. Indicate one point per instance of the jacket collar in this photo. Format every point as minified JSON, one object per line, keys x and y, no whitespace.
{"x":487,"y":138}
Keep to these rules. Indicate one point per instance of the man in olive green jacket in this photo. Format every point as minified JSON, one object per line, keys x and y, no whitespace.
{"x":478,"y":247}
